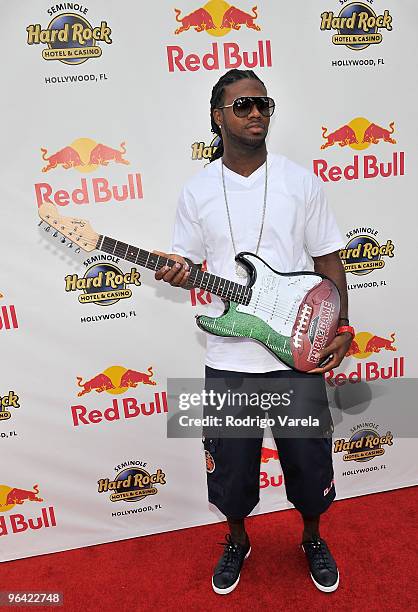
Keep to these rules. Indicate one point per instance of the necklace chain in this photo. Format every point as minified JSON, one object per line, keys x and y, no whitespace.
{"x":229,"y":215}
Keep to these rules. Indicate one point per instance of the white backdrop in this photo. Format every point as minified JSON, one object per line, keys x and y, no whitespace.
{"x":149,"y":88}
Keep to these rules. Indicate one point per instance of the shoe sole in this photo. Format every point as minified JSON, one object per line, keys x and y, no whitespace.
{"x":321,"y":587}
{"x":233,"y":586}
{"x":326,"y":589}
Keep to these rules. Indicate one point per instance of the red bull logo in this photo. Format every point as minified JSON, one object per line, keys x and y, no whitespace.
{"x":363,"y":253}
{"x":70,"y":38}
{"x":84,"y":155}
{"x":10,"y":497}
{"x":357,"y":25}
{"x":19,"y":496}
{"x":266,"y":481}
{"x":116,"y":380}
{"x":11,"y":400}
{"x":217,"y":18}
{"x":363,"y":346}
{"x":268,"y":453}
{"x":103,"y":381}
{"x":359,"y":134}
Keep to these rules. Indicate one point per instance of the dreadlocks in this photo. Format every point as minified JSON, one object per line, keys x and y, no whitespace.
{"x":217,"y":100}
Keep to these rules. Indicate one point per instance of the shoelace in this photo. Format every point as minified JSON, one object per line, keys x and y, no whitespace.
{"x":230,"y":556}
{"x":320,"y":558}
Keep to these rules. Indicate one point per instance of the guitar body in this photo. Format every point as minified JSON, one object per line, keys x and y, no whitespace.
{"x":294,"y":315}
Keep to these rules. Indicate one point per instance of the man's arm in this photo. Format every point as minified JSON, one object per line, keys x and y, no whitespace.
{"x":330,"y":265}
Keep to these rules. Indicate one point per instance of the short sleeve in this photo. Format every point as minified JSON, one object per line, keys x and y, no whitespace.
{"x":322,"y":235}
{"x":187,"y":235}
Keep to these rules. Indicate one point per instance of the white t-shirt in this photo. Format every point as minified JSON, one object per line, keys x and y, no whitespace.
{"x":298,"y":223}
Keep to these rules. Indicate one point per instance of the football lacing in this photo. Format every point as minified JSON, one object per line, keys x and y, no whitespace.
{"x":302,"y":324}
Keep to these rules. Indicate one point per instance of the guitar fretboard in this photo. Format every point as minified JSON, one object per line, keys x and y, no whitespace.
{"x":225,"y":289}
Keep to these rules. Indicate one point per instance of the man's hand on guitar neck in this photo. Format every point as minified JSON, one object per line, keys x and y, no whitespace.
{"x":178,"y":275}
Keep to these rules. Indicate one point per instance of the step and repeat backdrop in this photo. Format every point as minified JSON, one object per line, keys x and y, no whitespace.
{"x":105,"y":114}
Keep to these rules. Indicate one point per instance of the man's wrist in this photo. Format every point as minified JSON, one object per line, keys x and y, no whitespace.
{"x":346,"y":329}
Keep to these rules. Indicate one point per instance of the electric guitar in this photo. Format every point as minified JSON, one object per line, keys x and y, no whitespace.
{"x":294,"y":315}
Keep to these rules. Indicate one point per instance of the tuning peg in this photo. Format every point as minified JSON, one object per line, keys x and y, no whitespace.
{"x":55,"y":234}
{"x":70,"y":245}
{"x":77,"y":250}
{"x":40,"y":223}
{"x":63,"y":240}
{"x":48,"y":227}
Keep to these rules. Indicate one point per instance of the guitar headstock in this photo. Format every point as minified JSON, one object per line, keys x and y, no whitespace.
{"x":78,"y":231}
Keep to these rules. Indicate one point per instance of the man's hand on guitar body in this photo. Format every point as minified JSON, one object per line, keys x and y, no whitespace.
{"x":178,"y":275}
{"x":337,"y":348}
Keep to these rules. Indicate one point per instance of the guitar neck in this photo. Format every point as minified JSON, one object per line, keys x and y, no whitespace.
{"x":225,"y":289}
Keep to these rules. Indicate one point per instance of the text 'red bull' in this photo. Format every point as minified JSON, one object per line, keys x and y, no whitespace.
{"x":129,"y":409}
{"x":367,"y":372}
{"x":18,"y":523}
{"x":232,"y":56}
{"x":368,"y":167}
{"x":97,"y":190}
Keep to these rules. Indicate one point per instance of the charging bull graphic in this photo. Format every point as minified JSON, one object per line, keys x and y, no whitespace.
{"x":101,"y":155}
{"x":84,"y":155}
{"x":374,"y":134}
{"x":359,"y":131}
{"x":234,"y":18}
{"x":115,"y":379}
{"x":364,"y":344}
{"x":199,"y":19}
{"x":18,"y":496}
{"x":344,"y":136}
{"x":208,"y":18}
{"x":376,"y":344}
{"x":131,"y":378}
{"x":66,"y":157}
{"x":98,"y":383}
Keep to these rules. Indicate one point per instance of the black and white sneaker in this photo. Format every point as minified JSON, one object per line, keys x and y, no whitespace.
{"x":227,"y":573}
{"x":324,"y":571}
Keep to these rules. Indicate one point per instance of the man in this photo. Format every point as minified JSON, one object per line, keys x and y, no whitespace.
{"x":246,"y":200}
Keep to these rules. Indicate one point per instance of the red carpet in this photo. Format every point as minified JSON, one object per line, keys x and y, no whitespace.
{"x":374,"y":539}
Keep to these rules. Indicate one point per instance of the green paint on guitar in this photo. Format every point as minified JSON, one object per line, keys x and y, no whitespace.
{"x":239,"y":324}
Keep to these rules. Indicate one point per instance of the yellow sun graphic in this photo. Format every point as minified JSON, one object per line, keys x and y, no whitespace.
{"x":84,"y":146}
{"x":216,"y":9}
{"x":115,"y":374}
{"x":359,"y":125}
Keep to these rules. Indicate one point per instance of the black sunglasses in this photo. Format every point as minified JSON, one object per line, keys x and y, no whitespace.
{"x":243,"y":106}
